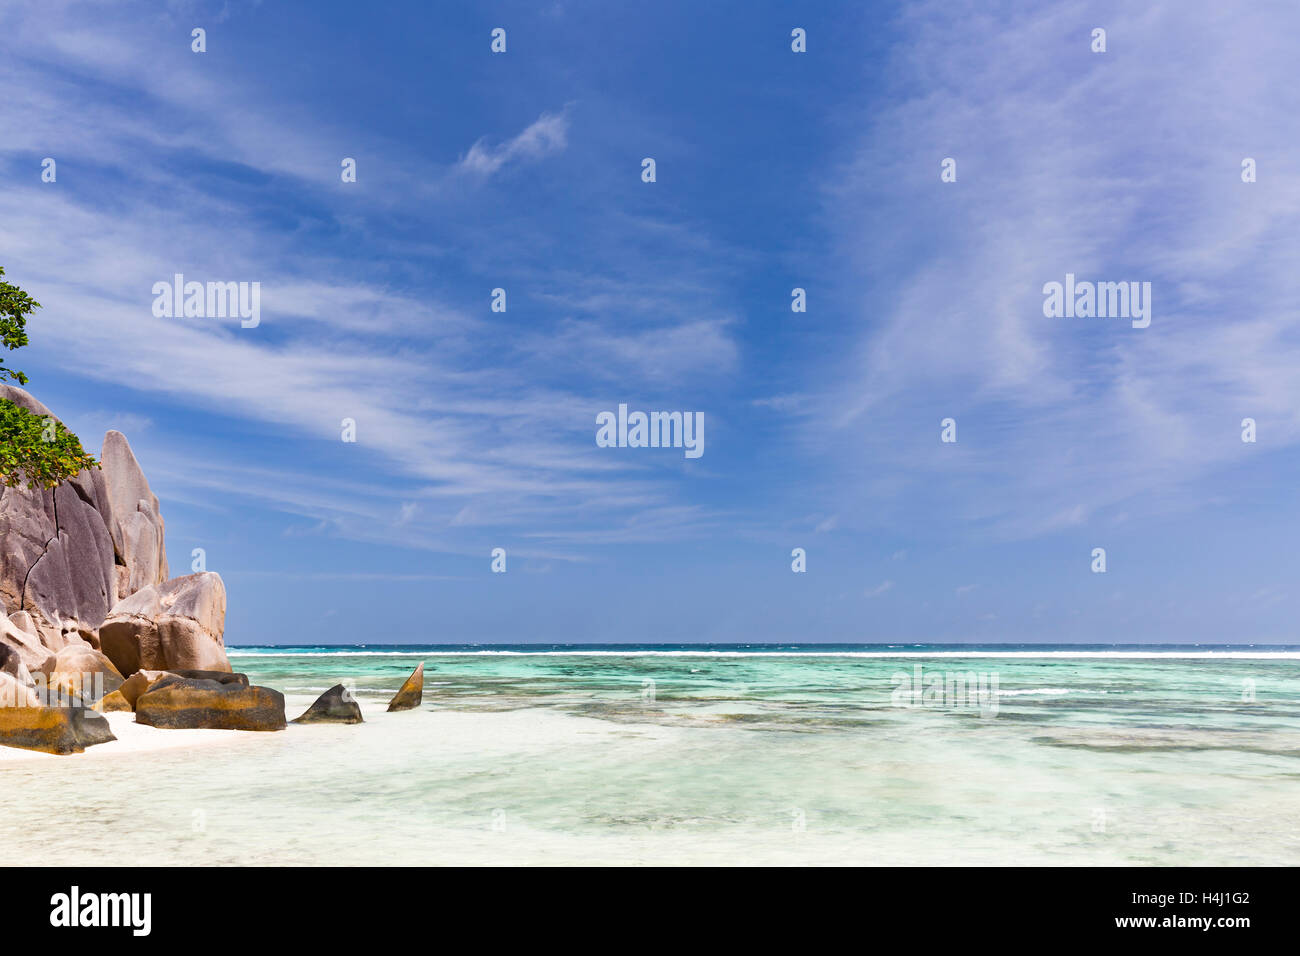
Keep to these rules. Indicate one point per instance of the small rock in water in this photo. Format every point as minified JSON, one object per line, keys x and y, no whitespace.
{"x":335,"y":706}
{"x":411,"y":693}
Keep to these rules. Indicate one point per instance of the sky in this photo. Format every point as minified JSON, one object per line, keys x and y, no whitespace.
{"x":819,"y":170}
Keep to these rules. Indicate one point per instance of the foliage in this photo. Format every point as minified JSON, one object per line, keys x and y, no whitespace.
{"x":36,"y":450}
{"x":39,"y":450}
{"x":15,"y":306}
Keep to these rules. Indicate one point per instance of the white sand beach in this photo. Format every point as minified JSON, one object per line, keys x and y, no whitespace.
{"x":132,"y":738}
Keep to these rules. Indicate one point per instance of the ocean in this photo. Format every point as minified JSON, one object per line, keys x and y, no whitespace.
{"x":715,"y":754}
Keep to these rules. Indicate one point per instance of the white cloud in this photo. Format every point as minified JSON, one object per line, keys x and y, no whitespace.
{"x":545,"y":136}
{"x":1122,"y":165}
{"x":444,"y":413}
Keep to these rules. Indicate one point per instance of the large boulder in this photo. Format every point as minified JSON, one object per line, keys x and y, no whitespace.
{"x":92,"y":549}
{"x":141,"y":681}
{"x":176,"y":702}
{"x":134,"y":521}
{"x":178,"y":624}
{"x":221,"y":677}
{"x":411,"y":692}
{"x":335,"y":706}
{"x":81,"y":671}
{"x":56,"y":554}
{"x":74,"y":578}
{"x":54,"y":730}
{"x":68,"y":555}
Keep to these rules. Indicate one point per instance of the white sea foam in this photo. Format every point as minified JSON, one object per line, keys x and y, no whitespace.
{"x":1035,"y":692}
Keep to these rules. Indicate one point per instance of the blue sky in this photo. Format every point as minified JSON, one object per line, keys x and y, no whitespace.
{"x":775,"y":170}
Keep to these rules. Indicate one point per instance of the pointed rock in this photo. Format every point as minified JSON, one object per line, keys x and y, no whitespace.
{"x":132,"y":516}
{"x":58,"y":556}
{"x":335,"y":706}
{"x":411,"y":693}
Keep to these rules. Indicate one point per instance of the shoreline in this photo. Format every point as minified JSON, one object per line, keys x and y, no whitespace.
{"x":134,"y":738}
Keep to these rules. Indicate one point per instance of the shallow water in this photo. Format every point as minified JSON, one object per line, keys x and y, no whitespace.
{"x":685,"y":755}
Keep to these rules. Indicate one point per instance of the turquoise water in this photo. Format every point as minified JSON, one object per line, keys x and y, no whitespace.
{"x":675,"y":755}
